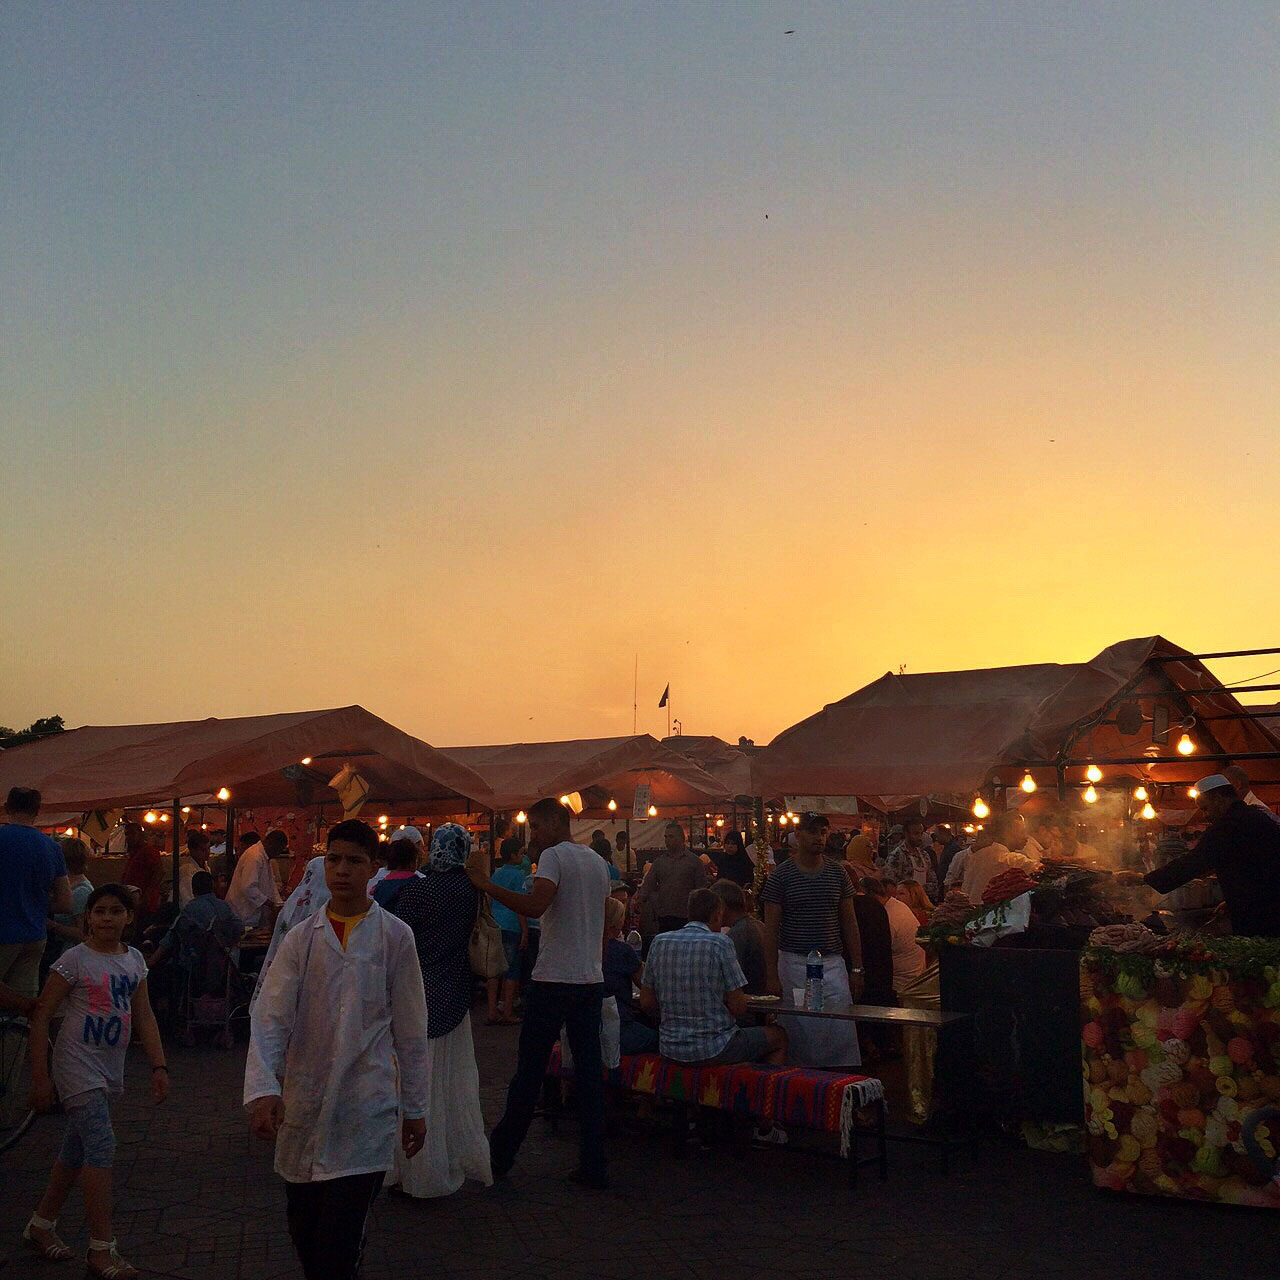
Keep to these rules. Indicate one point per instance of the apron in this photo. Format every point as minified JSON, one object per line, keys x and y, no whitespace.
{"x":815,"y":1042}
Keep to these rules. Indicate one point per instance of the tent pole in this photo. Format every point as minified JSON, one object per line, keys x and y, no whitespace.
{"x":177,"y":818}
{"x":231,"y":842}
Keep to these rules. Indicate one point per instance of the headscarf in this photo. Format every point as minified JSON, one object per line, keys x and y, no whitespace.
{"x":450,"y":845}
{"x":310,"y":895}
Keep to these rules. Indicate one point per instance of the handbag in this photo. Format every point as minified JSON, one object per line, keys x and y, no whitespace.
{"x":485,"y":951}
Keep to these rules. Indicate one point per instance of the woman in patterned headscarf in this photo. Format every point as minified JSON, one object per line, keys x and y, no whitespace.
{"x":440,"y":907}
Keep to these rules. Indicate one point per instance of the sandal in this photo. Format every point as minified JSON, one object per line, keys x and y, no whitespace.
{"x":51,"y":1250}
{"x":116,"y":1267}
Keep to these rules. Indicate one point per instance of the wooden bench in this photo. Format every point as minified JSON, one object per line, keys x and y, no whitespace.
{"x":945,"y":1136}
{"x":798,"y":1097}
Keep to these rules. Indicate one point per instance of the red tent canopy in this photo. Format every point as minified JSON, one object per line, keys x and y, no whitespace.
{"x":117,"y":765}
{"x":727,"y":764}
{"x":946,"y":733}
{"x":599,"y":768}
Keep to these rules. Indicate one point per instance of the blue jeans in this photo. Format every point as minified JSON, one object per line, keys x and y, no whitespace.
{"x":89,"y":1139}
{"x":637,"y":1037}
{"x":547,"y":1007}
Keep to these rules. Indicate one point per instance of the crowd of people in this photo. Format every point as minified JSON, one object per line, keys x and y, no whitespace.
{"x":361,"y":1065}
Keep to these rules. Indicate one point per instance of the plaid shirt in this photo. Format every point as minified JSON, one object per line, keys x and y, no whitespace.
{"x":691,"y":970}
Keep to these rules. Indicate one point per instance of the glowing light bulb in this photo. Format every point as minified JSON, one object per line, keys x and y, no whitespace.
{"x":522,"y":816}
{"x":613,"y":805}
{"x":1091,"y":796}
{"x":382,"y":819}
{"x":204,"y":826}
{"x":1140,"y":793}
{"x":653,"y":811}
{"x":719,"y":822}
{"x":149,"y":816}
{"x":223,"y":794}
{"x":1148,"y":812}
{"x":1028,"y":783}
{"x":981,"y":808}
{"x":1185,"y":745}
{"x":186,"y":808}
{"x":70,"y":831}
{"x":305,"y":760}
{"x":969,"y":828}
{"x":1093,"y":773}
{"x":564,"y":800}
{"x":1193,"y":793}
{"x":382,"y":835}
{"x":164,"y":817}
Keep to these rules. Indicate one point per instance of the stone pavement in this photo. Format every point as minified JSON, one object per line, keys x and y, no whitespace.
{"x":197,"y":1199}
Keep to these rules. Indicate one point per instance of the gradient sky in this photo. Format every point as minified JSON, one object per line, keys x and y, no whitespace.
{"x":442,"y":358}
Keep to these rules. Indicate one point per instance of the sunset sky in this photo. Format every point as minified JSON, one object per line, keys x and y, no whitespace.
{"x":443,"y":358}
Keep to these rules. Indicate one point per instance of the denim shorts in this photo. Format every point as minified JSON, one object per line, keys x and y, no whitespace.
{"x":511,"y":948}
{"x":89,"y":1139}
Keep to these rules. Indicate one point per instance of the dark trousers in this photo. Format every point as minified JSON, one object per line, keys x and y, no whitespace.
{"x":547,"y":1007}
{"x":326,"y":1223}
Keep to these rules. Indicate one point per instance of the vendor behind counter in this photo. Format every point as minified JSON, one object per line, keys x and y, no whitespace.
{"x":1242,"y":847}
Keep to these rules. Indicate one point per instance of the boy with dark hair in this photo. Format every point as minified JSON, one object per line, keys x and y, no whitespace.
{"x":340,"y":1008}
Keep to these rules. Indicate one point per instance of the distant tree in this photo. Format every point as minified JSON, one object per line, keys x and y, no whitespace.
{"x":36,"y":729}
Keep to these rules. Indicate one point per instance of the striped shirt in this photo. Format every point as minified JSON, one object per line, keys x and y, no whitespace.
{"x":810,"y":902}
{"x":691,"y":970}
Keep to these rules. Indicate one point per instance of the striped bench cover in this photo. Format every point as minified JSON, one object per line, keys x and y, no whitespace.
{"x":800,"y":1096}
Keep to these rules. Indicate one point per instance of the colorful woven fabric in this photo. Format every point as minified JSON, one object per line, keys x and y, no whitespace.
{"x":800,"y":1096}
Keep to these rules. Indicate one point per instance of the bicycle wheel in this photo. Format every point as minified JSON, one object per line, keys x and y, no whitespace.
{"x":15,"y":1082}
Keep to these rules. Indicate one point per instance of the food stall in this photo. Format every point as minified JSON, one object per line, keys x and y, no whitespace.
{"x":1181,"y":1053}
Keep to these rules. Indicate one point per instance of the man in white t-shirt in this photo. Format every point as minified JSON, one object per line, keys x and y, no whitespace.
{"x":253,"y":895}
{"x":908,"y":954}
{"x":982,"y":865}
{"x":567,"y":897}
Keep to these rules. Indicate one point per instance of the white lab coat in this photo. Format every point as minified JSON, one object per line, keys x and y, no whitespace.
{"x":252,"y":886}
{"x":332,"y":1026}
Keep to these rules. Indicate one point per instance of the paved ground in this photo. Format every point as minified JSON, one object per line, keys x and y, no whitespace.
{"x":198,"y":1199}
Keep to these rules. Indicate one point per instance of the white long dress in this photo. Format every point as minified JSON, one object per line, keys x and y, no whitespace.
{"x":456,"y":1147}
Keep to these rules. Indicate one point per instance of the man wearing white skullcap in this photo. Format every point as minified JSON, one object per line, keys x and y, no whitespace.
{"x":1242,"y":846}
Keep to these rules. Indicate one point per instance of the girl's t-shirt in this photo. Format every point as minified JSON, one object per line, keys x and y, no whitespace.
{"x":90,"y":1050}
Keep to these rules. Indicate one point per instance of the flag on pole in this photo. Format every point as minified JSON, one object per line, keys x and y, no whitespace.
{"x":666,"y":695}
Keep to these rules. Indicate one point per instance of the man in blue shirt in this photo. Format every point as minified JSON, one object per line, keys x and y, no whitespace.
{"x":33,"y":886}
{"x":695,"y":985}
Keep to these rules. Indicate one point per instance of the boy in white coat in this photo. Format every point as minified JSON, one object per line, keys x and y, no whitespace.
{"x":341,"y":1006}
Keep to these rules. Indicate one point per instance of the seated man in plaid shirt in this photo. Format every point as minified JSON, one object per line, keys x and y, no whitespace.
{"x":695,"y":986}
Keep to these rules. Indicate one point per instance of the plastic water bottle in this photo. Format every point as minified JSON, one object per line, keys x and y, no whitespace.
{"x":635,"y":940}
{"x":813,"y":976}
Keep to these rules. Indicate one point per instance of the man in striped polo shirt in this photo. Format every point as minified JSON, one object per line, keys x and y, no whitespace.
{"x":808,"y":906}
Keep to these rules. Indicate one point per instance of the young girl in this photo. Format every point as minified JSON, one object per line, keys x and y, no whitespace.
{"x":104,"y":985}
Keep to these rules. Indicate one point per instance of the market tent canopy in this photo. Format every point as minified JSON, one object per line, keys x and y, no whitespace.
{"x":257,"y":758}
{"x":730,"y":766}
{"x":599,"y":768}
{"x":946,"y":733}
